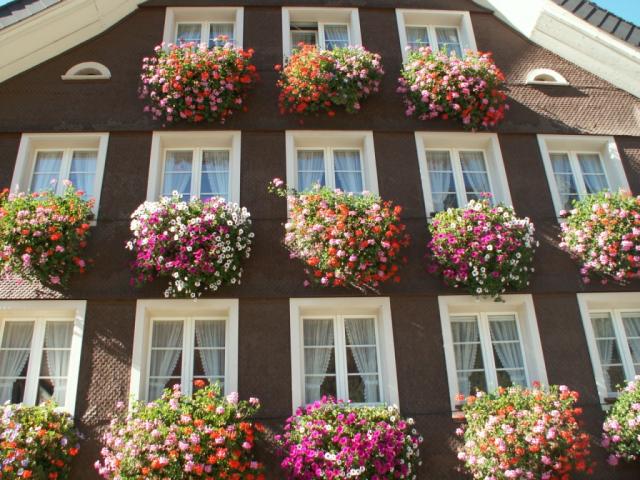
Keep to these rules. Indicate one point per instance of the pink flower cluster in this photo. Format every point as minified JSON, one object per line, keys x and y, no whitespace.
{"x":195,"y":83}
{"x":602,"y":232}
{"x":198,"y":245}
{"x":481,"y":247}
{"x":332,"y":440}
{"x":470,"y":89}
{"x":621,"y":429}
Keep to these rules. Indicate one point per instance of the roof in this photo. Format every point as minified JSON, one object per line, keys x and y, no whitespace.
{"x":18,"y":10}
{"x":603,"y":19}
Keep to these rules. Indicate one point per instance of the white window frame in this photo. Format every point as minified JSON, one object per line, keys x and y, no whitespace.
{"x":521,"y":306}
{"x":615,"y":304}
{"x":328,"y":141}
{"x":488,"y":143}
{"x":148,"y":311}
{"x":40,"y":312}
{"x":321,"y":16}
{"x":432,"y":19}
{"x":32,"y":143}
{"x":339,"y":309}
{"x":196,"y":142}
{"x":205,"y":16}
{"x":604,"y":146}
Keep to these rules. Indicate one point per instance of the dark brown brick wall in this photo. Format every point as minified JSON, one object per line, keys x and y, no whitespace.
{"x":38,"y":101}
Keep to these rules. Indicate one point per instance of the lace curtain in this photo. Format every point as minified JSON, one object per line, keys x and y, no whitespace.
{"x":348,"y":170}
{"x":361,"y":332}
{"x":166,"y":348}
{"x":319,"y":347}
{"x":17,"y":338}
{"x":57,"y":344}
{"x":177,"y":173}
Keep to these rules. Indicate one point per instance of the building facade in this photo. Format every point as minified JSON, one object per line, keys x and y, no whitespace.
{"x":82,"y":103}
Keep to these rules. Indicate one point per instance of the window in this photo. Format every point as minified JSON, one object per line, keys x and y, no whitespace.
{"x":343,"y":348}
{"x":213,"y":26}
{"x":45,"y":160}
{"x":328,"y":28}
{"x":40,"y":344}
{"x":195,"y":164}
{"x":580,"y":165}
{"x":177,"y":342}
{"x":441,"y":30}
{"x":87,"y":71}
{"x":458,"y":167}
{"x":488,"y":345}
{"x":545,"y":76}
{"x":343,"y":160}
{"x":612,"y":326}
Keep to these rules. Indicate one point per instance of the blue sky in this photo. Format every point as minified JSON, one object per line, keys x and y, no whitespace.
{"x":628,"y":9}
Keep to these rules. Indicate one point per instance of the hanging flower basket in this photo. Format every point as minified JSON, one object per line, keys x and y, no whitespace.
{"x":621,"y":429}
{"x":198,"y":245}
{"x":330,"y":439}
{"x":194,"y":83}
{"x":205,"y":435}
{"x":483,"y":248}
{"x":343,"y":239}
{"x":317,"y":81}
{"x":470,"y":89}
{"x":43,"y":235}
{"x":521,"y":433}
{"x":37,"y":442}
{"x":602,"y":233}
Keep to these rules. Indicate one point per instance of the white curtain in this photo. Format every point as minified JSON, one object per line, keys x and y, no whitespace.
{"x":606,"y":342}
{"x":564,"y":179}
{"x":318,"y":342}
{"x":466,"y":342}
{"x":16,"y":335}
{"x":215,"y":174}
{"x":593,"y":175}
{"x":47,"y":168}
{"x":417,"y":37}
{"x":57,"y":344}
{"x":443,"y":189}
{"x":310,"y":169}
{"x":210,"y":336}
{"x":474,"y":171}
{"x":83,"y":172}
{"x":188,"y":32}
{"x":348,"y":169}
{"x":448,"y":39}
{"x":336,"y":36}
{"x":166,"y":347}
{"x":361,"y":331}
{"x":506,"y":343}
{"x":219,"y":30}
{"x":632,"y":328}
{"x":177,"y":173}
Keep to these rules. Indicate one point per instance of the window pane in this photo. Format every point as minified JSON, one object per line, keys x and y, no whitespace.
{"x":364,"y":388}
{"x":468,"y":355}
{"x":14,"y":360}
{"x":220,"y":34}
{"x":188,"y":32}
{"x":593,"y":174}
{"x":215,"y":174}
{"x":83,"y":171}
{"x":166,"y":352}
{"x":209,"y":360}
{"x":448,"y":40}
{"x":348,"y":170}
{"x":474,"y":171}
{"x":565,"y":180}
{"x":507,"y":350}
{"x":177,"y":173}
{"x":608,"y":351}
{"x":417,"y":37}
{"x":46,"y":170}
{"x":310,"y":169}
{"x":631,"y":321}
{"x":54,"y":367}
{"x":443,"y":187}
{"x":305,"y":33}
{"x":336,"y":36}
{"x":319,"y":361}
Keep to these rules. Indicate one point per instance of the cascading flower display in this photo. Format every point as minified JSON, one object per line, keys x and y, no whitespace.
{"x":37,"y":442}
{"x":317,"y":81}
{"x":621,"y":428}
{"x":469,"y":89}
{"x":335,"y":440}
{"x":524,"y":433}
{"x":344,"y":239}
{"x":199,"y":245}
{"x":43,"y":235}
{"x":195,"y":83}
{"x":602,"y":232}
{"x":482,"y":247}
{"x":201,"y":436}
